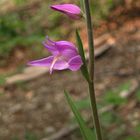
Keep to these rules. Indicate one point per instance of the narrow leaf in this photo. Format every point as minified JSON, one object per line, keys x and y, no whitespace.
{"x":82,"y":5}
{"x":86,"y":132}
{"x":84,"y":69}
{"x":83,"y":104}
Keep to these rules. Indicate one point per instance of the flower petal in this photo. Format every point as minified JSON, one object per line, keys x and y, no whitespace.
{"x":50,"y":45}
{"x":71,"y":10}
{"x":61,"y":45}
{"x":75,"y":63}
{"x":60,"y":65}
{"x":42,"y":62}
{"x":68,"y":54}
{"x":66,"y":49}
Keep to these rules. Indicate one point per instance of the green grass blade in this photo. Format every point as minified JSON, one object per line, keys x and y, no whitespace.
{"x":84,"y":69}
{"x":86,"y":132}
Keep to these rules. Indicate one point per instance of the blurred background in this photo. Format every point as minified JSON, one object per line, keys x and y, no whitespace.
{"x":32,"y":103}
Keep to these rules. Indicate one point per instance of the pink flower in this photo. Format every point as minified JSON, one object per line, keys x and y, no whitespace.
{"x":71,"y":10}
{"x":64,"y":56}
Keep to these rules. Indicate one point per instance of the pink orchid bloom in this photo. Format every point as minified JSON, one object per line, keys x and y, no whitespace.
{"x":73,"y":11}
{"x":64,"y":56}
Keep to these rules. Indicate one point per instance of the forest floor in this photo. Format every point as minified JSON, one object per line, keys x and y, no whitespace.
{"x":39,"y":106}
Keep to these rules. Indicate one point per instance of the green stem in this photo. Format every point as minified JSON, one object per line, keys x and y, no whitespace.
{"x":91,"y":71}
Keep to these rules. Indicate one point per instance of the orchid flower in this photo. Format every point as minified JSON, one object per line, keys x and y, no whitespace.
{"x":71,"y":10}
{"x":64,"y":56}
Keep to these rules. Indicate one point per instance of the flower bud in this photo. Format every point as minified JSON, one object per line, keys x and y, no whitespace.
{"x":71,"y":10}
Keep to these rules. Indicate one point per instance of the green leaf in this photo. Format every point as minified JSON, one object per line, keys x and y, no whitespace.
{"x":2,"y":80}
{"x":83,"y":104}
{"x":84,"y":69}
{"x":125,"y":86}
{"x":30,"y":136}
{"x":86,"y":132}
{"x":82,"y":5}
{"x":137,"y":128}
{"x":114,"y":98}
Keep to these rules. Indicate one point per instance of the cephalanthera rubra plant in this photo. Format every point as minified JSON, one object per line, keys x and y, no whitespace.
{"x":64,"y":55}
